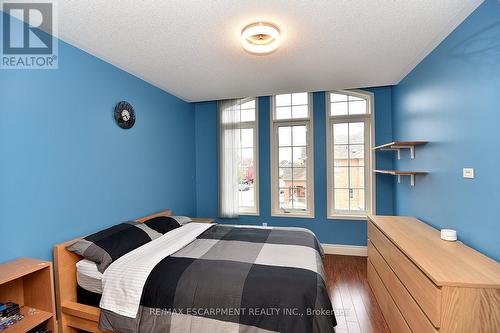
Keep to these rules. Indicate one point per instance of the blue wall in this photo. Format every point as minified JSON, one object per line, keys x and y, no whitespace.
{"x":328,"y":231}
{"x":452,"y":100}
{"x":66,"y":168}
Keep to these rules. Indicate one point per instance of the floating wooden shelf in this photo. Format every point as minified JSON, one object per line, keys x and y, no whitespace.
{"x":398,"y":145}
{"x":399,"y":174}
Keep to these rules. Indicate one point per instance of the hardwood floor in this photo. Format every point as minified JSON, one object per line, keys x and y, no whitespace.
{"x":355,"y":306}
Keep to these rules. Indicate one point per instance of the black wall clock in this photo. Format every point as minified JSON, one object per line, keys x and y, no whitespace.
{"x":124,"y":115}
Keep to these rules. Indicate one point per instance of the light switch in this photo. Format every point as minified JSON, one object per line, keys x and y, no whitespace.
{"x":468,"y":173}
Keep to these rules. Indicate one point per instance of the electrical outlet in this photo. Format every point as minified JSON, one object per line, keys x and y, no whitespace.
{"x":468,"y":173}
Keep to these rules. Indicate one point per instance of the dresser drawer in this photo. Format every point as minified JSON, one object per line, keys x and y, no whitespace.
{"x":423,"y":290}
{"x":410,"y":310}
{"x":392,"y":316}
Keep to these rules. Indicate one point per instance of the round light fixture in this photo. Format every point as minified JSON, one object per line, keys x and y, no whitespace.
{"x":260,"y":38}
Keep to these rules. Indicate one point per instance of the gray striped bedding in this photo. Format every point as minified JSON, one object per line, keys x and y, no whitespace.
{"x":220,"y":278}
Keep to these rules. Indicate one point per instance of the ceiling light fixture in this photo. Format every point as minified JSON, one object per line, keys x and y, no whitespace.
{"x":260,"y":38}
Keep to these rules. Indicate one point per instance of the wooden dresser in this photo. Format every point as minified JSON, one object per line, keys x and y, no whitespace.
{"x":424,"y":284}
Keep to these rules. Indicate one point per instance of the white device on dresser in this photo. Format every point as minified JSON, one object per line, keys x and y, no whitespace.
{"x":449,"y":235}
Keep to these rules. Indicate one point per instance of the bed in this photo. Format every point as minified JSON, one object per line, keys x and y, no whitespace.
{"x":201,"y":277}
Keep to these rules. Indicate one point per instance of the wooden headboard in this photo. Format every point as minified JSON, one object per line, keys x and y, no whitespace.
{"x":75,"y":315}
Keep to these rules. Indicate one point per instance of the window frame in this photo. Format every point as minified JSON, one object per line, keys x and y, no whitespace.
{"x":369,"y":131}
{"x":255,"y":126}
{"x":276,"y":211}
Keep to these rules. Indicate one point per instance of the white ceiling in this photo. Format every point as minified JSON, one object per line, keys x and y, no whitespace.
{"x":191,"y":48}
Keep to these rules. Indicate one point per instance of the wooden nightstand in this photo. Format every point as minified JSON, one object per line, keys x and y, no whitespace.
{"x":29,"y":283}
{"x":203,"y":219}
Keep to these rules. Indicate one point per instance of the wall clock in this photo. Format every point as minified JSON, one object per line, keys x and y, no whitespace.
{"x":124,"y":115}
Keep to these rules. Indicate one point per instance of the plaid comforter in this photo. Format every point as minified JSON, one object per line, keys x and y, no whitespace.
{"x":235,"y":279}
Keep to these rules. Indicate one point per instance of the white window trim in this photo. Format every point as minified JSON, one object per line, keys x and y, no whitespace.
{"x":370,"y":198}
{"x":255,"y":125}
{"x":275,"y":209}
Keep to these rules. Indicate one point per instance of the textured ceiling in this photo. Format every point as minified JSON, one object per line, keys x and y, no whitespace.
{"x":191,"y":48}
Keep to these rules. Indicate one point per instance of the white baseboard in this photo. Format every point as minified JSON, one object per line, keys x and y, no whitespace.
{"x":346,"y":250}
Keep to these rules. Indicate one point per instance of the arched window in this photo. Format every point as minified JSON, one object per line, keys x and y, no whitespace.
{"x":350,"y":157}
{"x":238,"y":157}
{"x":292,"y":178}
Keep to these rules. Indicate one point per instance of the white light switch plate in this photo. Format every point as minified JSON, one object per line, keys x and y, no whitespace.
{"x":468,"y":173}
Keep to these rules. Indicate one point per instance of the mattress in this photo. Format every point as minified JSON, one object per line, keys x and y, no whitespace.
{"x":88,"y":276}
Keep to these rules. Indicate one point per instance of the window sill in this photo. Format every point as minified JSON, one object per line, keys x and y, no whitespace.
{"x":249,"y":214}
{"x":348,"y":217}
{"x":294,"y":215}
